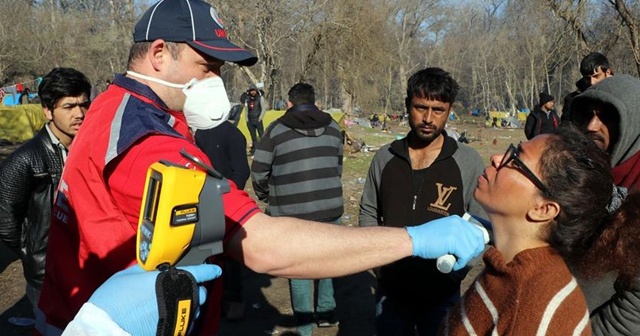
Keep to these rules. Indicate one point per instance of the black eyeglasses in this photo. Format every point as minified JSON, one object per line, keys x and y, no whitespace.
{"x":512,"y":155}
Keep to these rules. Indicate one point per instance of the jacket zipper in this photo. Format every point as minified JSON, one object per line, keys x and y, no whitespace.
{"x":415,"y":199}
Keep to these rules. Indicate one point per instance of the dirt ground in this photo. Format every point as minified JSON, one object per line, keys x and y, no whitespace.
{"x":268,"y":309}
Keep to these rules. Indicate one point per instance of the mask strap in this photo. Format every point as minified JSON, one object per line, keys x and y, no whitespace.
{"x":159,"y":81}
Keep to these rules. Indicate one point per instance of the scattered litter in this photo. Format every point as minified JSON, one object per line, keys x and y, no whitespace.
{"x":360,"y":180}
{"x":369,"y":149}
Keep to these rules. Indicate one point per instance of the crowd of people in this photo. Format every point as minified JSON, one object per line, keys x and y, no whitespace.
{"x":561,"y":207}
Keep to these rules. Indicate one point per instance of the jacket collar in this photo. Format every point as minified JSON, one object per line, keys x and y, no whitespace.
{"x":401,"y":147}
{"x":139,"y":89}
{"x":305,"y":116}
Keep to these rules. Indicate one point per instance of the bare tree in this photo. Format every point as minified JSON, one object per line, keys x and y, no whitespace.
{"x":630,"y":21}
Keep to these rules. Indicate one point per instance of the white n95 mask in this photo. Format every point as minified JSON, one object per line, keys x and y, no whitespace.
{"x":207,"y":104}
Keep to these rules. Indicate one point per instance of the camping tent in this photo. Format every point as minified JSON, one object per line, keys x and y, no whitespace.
{"x":20,"y":123}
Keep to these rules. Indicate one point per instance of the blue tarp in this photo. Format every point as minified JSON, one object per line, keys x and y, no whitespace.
{"x":11,"y":99}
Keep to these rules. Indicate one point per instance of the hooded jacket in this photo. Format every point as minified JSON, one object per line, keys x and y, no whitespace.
{"x":254,"y":105}
{"x":297,"y":166}
{"x":623,"y":93}
{"x":395,"y":195}
{"x":615,"y":311}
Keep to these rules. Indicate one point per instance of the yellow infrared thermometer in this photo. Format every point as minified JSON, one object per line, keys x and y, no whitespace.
{"x":182,"y":217}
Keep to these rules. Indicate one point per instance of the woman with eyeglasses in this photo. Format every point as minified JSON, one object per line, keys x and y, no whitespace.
{"x":551,"y":201}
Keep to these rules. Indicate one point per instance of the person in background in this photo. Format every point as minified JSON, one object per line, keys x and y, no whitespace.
{"x":174,"y":69}
{"x":594,"y":68}
{"x":581,"y":86}
{"x":543,"y":119}
{"x":607,"y":113}
{"x":297,"y":170}
{"x":226,"y":146}
{"x":425,"y":176}
{"x":30,"y":175}
{"x":255,"y":105}
{"x":24,"y":96}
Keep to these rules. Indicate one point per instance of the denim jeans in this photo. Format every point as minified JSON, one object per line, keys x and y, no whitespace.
{"x":302,"y":302}
{"x":253,"y":126}
{"x":395,"y":318}
{"x":302,"y":299}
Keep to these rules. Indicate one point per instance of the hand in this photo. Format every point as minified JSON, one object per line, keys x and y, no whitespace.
{"x":129,"y":296}
{"x":448,"y":235}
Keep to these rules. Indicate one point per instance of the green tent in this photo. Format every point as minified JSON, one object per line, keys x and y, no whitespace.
{"x":20,"y":123}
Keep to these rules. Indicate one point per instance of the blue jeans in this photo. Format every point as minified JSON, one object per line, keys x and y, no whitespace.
{"x":253,"y":126}
{"x":302,"y":302}
{"x":395,"y":318}
{"x":302,"y":299}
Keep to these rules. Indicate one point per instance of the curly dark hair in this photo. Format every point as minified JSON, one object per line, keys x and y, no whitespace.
{"x":578,"y":176}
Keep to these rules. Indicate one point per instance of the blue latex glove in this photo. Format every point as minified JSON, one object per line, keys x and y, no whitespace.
{"x":448,"y":235}
{"x":129,"y":296}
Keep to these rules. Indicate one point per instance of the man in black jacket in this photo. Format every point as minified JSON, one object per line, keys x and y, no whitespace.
{"x":543,"y":118}
{"x":254,"y":104}
{"x":226,"y":147}
{"x":29,"y":176}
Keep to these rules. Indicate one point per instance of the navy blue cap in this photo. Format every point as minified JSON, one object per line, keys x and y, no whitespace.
{"x":194,"y":22}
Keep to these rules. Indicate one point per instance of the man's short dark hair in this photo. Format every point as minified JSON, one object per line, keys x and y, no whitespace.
{"x":139,"y":49}
{"x":592,"y":62}
{"x":432,"y":83}
{"x":60,"y":83}
{"x":302,"y":93}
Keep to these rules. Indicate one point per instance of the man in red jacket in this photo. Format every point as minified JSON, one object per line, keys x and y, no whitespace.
{"x":143,"y":117}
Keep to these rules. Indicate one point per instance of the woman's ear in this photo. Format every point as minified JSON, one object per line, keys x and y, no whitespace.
{"x":543,"y":210}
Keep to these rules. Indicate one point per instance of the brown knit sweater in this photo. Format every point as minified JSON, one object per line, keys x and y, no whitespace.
{"x":534,"y":294}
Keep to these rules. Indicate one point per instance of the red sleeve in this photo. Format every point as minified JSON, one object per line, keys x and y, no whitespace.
{"x":128,"y":176}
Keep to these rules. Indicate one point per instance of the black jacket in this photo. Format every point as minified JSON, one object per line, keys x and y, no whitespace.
{"x":226,"y":148}
{"x":28,"y":180}
{"x":538,"y":122}
{"x":396,"y":195}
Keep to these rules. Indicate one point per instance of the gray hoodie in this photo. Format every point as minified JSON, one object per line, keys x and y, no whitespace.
{"x":623,"y":92}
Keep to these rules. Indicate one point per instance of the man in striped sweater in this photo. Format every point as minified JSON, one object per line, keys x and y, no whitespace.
{"x":297,"y":169}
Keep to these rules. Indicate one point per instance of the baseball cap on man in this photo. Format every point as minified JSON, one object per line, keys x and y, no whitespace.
{"x":194,"y":22}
